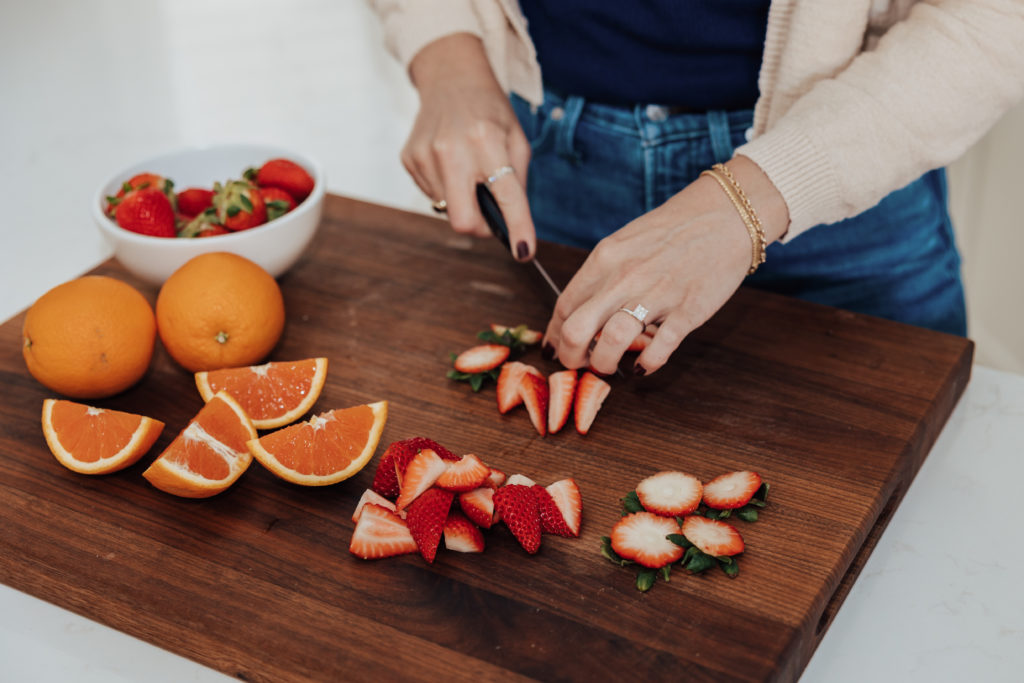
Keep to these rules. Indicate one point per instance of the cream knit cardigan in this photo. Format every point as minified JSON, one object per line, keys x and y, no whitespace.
{"x":858,"y":97}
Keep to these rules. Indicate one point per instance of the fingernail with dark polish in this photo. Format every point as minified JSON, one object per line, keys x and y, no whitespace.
{"x":547,"y":352}
{"x":639,"y":370}
{"x":522,"y":250}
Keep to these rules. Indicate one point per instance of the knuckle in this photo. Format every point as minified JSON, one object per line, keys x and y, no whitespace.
{"x":617,"y":335}
{"x":574,"y":335}
{"x":562,"y":308}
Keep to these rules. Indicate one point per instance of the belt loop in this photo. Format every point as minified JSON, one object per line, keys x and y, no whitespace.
{"x":565,"y":133}
{"x":721,"y":139}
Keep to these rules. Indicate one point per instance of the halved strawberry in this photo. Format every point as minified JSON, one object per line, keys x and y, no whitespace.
{"x":464,"y":475}
{"x":520,"y":480}
{"x":566,"y":495}
{"x":642,"y":537}
{"x":371,"y":497}
{"x":534,"y":391}
{"x":561,"y":392}
{"x":517,"y":506}
{"x":380,"y":533}
{"x":419,"y":476}
{"x":672,"y":494}
{"x":495,"y":479}
{"x":551,"y":520}
{"x":521,"y":332}
{"x":397,"y":457}
{"x":508,"y":384}
{"x":461,"y":535}
{"x":481,"y":358}
{"x":712,"y":536}
{"x":591,"y":391}
{"x":426,"y":518}
{"x":478,"y":505}
{"x":731,"y":491}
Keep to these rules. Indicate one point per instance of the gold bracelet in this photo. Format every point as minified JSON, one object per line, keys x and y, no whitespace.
{"x":758,"y":241}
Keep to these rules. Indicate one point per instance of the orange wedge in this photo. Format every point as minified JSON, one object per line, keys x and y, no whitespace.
{"x":272,"y":394}
{"x":96,"y":440}
{"x":209,"y":455}
{"x":326,"y":449}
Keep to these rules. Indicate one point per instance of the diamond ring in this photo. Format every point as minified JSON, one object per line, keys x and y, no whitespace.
{"x":640,"y":313}
{"x":499,"y":173}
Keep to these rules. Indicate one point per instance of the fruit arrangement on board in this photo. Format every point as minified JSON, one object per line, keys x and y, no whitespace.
{"x":148,"y":205}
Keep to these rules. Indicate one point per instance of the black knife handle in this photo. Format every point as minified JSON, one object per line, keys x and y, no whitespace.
{"x":492,"y":214}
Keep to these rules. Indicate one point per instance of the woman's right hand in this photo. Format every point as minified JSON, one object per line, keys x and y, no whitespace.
{"x":464,"y":132}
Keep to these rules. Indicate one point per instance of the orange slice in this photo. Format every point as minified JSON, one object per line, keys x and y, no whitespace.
{"x":326,"y":449}
{"x":96,"y":440}
{"x":209,"y":455}
{"x":272,"y":394}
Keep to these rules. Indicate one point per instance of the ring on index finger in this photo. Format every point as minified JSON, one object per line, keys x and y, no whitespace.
{"x":640,"y":313}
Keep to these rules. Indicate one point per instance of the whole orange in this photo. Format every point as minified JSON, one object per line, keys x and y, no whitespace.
{"x":219,"y":310}
{"x":89,"y":338}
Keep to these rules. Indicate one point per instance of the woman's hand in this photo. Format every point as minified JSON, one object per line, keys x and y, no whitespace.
{"x":681,"y":261}
{"x":464,"y":132}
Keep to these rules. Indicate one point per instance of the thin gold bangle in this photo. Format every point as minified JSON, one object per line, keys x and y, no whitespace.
{"x":762,"y":240}
{"x":758,"y":241}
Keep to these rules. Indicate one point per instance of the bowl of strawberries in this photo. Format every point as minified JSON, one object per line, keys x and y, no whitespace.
{"x":259,"y":201}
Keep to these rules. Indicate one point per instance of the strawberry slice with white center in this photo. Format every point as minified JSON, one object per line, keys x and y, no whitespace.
{"x":509,"y":379}
{"x":642,"y":537}
{"x":712,"y":536}
{"x":397,"y":457}
{"x":461,"y":535}
{"x":419,"y":475}
{"x":561,"y":392}
{"x":566,"y":495}
{"x":426,"y":519}
{"x":478,"y":505}
{"x":534,"y":390}
{"x":672,"y":494}
{"x":380,"y":533}
{"x":495,"y":479}
{"x":517,"y":506}
{"x":731,"y":491}
{"x":551,"y":520}
{"x":591,"y":391}
{"x":371,"y":496}
{"x":481,"y":358}
{"x":464,"y":475}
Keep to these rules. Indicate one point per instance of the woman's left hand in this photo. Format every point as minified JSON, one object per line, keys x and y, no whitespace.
{"x":681,"y":262}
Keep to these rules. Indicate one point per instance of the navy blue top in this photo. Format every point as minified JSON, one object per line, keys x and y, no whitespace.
{"x":699,"y":54}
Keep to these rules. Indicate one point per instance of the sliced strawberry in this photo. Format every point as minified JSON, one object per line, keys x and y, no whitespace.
{"x":371,"y":497}
{"x":521,"y":332}
{"x":561,"y":390}
{"x":672,"y":494}
{"x":712,"y":536}
{"x":566,"y":495}
{"x":508,"y":384}
{"x":495,"y":479}
{"x":481,"y":358}
{"x":464,"y":475}
{"x":478,"y":505}
{"x":419,"y":476}
{"x":731,"y":491}
{"x":517,"y":506}
{"x":461,"y":535}
{"x":534,"y":391}
{"x":380,"y":533}
{"x":427,"y":515}
{"x":397,"y":457}
{"x":642,"y":537}
{"x":591,"y":391}
{"x":551,"y":520}
{"x":519,"y":480}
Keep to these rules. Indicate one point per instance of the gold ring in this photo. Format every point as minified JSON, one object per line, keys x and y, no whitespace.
{"x":440,"y":206}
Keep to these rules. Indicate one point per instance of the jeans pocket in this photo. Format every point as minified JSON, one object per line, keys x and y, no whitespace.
{"x":537,"y":124}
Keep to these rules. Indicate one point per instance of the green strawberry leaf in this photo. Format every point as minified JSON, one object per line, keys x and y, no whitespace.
{"x":679,"y":540}
{"x":747,"y":514}
{"x":608,"y":553}
{"x":631,"y":503}
{"x":250,"y":174}
{"x":731,"y":569}
{"x":233,"y":211}
{"x":476,"y":381}
{"x":666,"y":571}
{"x":168,"y":186}
{"x":645,"y":578}
{"x":696,"y":561}
{"x":246,"y":202}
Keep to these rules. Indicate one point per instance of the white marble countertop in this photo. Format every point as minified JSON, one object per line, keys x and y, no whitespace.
{"x":90,"y":87}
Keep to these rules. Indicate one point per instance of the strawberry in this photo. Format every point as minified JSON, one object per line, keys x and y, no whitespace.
{"x":495,"y":479}
{"x":731,"y":491}
{"x":464,"y":475}
{"x":566,"y":495}
{"x":239,"y":205}
{"x":193,"y":201}
{"x":561,"y":391}
{"x":397,"y":457}
{"x":521,"y":333}
{"x":712,"y":536}
{"x":369,"y":497}
{"x":519,"y":480}
{"x":672,"y":494}
{"x":380,"y":533}
{"x":534,"y":390}
{"x":642,"y":341}
{"x":642,"y":537}
{"x":421,"y":473}
{"x":478,"y":505}
{"x":591,"y":391}
{"x":517,"y":506}
{"x":426,"y":519}
{"x":288,"y":176}
{"x":212,"y":230}
{"x":481,"y":358}
{"x":141,"y":181}
{"x":508,"y":384}
{"x":461,"y":535}
{"x":147,"y":212}
{"x":551,"y":520}
{"x":278,"y":202}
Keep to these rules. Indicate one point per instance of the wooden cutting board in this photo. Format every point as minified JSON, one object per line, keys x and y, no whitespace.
{"x":837,"y":411}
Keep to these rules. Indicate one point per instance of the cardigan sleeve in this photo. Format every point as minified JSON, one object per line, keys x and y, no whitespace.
{"x":410,"y":25}
{"x":933,"y":85}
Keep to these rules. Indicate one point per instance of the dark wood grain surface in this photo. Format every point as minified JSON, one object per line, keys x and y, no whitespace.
{"x":837,"y":411}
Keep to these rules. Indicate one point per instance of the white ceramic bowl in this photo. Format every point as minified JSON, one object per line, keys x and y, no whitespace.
{"x":276,"y":245}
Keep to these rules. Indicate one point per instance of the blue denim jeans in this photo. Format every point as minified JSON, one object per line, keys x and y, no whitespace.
{"x":596,"y":167}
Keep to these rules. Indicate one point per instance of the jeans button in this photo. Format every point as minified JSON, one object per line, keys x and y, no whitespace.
{"x":557,"y":113}
{"x":656,"y":113}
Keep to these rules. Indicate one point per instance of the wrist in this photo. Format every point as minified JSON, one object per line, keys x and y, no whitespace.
{"x":455,"y":58}
{"x":766,"y":199}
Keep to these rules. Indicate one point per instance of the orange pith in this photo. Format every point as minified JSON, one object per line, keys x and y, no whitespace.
{"x":272,"y":394}
{"x":91,"y":440}
{"x":327,"y":448}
